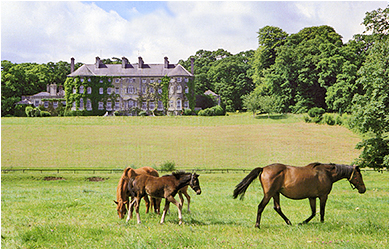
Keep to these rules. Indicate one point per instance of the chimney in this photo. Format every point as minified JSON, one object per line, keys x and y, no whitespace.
{"x":124,"y":62}
{"x":140,"y":63}
{"x":192,"y":65}
{"x":166,"y":62}
{"x":71,"y":65}
{"x":53,"y":89}
{"x":97,"y":63}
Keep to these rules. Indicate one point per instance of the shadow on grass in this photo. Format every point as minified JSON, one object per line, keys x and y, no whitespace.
{"x":271,"y":116}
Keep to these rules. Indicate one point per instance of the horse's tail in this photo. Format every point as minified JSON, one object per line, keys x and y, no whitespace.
{"x":244,"y":184}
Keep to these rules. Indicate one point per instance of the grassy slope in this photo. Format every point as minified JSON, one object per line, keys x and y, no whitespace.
{"x":235,"y":141}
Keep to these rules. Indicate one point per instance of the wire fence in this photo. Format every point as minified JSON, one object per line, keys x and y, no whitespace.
{"x":117,"y":170}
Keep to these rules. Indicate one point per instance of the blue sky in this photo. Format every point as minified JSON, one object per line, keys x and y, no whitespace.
{"x":55,"y":31}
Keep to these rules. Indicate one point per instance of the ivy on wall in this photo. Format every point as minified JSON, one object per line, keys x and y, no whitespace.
{"x":95,"y":83}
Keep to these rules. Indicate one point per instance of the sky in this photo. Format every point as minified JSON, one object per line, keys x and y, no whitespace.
{"x":53,"y":31}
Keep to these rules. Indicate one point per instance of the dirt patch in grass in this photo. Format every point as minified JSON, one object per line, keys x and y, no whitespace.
{"x":53,"y":178}
{"x":96,"y":178}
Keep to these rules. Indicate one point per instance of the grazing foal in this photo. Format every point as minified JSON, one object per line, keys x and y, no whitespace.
{"x":161,"y":187}
{"x":122,"y":192}
{"x":312,"y":181}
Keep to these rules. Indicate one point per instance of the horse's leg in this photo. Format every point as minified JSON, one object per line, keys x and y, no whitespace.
{"x":137,"y":210}
{"x":130,"y":215}
{"x":130,"y":209}
{"x":323,"y":200}
{"x":166,"y":207}
{"x":313,"y":210}
{"x":178,"y":205}
{"x":147,"y":203}
{"x":260,"y":209}
{"x":278,"y":209}
{"x":181,"y":198}
{"x":188,"y":199}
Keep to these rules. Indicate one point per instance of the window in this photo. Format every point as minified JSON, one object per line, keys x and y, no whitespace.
{"x":144,"y":105}
{"x":143,"y":90}
{"x":108,"y":105}
{"x":151,"y":80}
{"x":159,"y":81}
{"x":101,"y":81}
{"x":81,"y":90}
{"x":170,"y":104}
{"x":89,"y":90}
{"x":117,"y":105}
{"x":36,"y":103}
{"x":89,"y":79}
{"x":186,"y":105}
{"x":117,"y":91}
{"x":46,"y":104}
{"x":117,"y":80}
{"x":186,"y":79}
{"x":151,"y":90}
{"x":63,"y":103}
{"x":55,"y":104}
{"x":109,"y":79}
{"x":131,"y":89}
{"x":151,"y":105}
{"x":178,"y":104}
{"x":109,"y":91}
{"x":74,"y":90}
{"x":82,"y":79}
{"x":81,"y":104}
{"x":186,"y":90}
{"x":160,"y":105}
{"x":143,"y":80}
{"x":74,"y":106}
{"x":179,"y":79}
{"x":131,"y":103}
{"x":179,"y":89}
{"x":171,"y":90}
{"x":159,"y":90}
{"x":89,"y":105}
{"x":101,"y":106}
{"x":101,"y":91}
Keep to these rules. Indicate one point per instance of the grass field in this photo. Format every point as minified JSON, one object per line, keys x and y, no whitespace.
{"x":77,"y":213}
{"x":235,"y":141}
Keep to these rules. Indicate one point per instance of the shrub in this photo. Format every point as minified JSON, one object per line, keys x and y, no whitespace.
{"x":213,"y":111}
{"x":329,"y":119}
{"x":316,"y":112}
{"x":45,"y":114}
{"x":168,"y":166}
{"x":307,"y":119}
{"x":187,"y":112}
{"x":142,"y":113}
{"x":29,"y":111}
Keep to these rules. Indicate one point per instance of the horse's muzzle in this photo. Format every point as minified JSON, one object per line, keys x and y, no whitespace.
{"x":198,"y":192}
{"x":362,"y":190}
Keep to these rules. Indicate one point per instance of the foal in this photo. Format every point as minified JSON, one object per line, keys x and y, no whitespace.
{"x":122,"y":192}
{"x":161,"y":187}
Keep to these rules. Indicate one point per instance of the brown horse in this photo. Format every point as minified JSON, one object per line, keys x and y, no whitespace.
{"x":161,"y":187}
{"x":122,"y":192}
{"x":312,"y":181}
{"x":184,"y":191}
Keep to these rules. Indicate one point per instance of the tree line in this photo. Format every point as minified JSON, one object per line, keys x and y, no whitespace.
{"x":286,"y":73}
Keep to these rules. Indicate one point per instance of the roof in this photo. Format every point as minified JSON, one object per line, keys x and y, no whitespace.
{"x":148,"y":70}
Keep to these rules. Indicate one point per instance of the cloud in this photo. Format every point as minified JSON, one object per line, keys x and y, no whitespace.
{"x":53,"y":31}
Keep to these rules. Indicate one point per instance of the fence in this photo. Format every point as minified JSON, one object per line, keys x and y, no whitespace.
{"x":84,"y":170}
{"x":117,"y":170}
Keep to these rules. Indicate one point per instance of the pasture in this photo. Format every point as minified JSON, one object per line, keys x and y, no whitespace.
{"x":69,"y":210}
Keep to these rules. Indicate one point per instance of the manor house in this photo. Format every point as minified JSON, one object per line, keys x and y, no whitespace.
{"x":129,"y":86}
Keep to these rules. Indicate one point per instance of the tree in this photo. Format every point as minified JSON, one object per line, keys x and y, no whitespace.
{"x":370,"y":114}
{"x":230,"y":80}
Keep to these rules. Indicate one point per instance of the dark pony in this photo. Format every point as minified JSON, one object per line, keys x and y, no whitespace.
{"x":312,"y":181}
{"x":161,"y":187}
{"x":123,"y":193}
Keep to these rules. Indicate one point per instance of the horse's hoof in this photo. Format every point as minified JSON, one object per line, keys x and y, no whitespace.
{"x":257,"y":226}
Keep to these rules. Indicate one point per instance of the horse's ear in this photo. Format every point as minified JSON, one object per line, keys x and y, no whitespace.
{"x":116,"y":202}
{"x":132,"y":173}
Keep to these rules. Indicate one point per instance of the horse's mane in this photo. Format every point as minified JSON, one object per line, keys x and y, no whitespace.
{"x":122,"y":182}
{"x":341,"y":170}
{"x":313,"y":165}
{"x":179,"y":173}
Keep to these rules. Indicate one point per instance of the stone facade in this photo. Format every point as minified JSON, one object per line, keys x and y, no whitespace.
{"x":130,"y":87}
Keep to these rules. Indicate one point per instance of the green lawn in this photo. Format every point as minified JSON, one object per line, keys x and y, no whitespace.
{"x":77,"y":213}
{"x":234,"y":141}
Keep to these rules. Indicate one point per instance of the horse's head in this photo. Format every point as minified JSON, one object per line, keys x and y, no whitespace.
{"x":121,"y":208}
{"x":356,"y":180}
{"x":194,"y":183}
